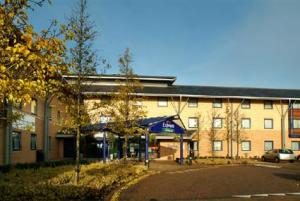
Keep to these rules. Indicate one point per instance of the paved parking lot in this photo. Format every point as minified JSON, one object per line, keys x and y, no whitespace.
{"x":218,"y":183}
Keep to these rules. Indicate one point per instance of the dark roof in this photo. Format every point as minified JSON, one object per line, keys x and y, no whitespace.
{"x":206,"y":91}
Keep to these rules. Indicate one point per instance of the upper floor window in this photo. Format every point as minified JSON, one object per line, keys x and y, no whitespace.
{"x":296,"y":104}
{"x":104,"y":119}
{"x":162,"y":102}
{"x":33,"y":106}
{"x":16,"y":141}
{"x":246,"y":123}
{"x":193,"y":102}
{"x":217,"y":103}
{"x":268,"y":123}
{"x":296,"y":123}
{"x":59,"y":117}
{"x":217,"y":122}
{"x":268,"y":104}
{"x":33,"y":141}
{"x":193,"y":122}
{"x":246,"y":104}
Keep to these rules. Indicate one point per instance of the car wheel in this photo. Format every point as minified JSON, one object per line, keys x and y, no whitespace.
{"x":263,"y":159}
{"x":277,"y":160}
{"x":291,"y":161}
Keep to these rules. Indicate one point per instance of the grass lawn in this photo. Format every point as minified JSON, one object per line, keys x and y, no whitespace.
{"x":96,"y":182}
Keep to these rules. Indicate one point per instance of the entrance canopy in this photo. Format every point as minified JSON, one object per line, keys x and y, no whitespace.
{"x":164,"y":124}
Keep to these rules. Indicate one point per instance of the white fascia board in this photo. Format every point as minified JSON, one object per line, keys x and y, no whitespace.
{"x":118,"y":77}
{"x":200,"y":96}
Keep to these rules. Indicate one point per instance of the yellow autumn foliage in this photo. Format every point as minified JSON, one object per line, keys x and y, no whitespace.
{"x":26,"y":57}
{"x":47,"y":184}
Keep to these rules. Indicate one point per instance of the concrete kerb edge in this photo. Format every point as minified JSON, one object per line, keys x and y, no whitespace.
{"x":116,"y":194}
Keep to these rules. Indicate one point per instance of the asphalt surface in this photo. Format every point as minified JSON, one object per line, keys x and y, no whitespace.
{"x":218,"y":183}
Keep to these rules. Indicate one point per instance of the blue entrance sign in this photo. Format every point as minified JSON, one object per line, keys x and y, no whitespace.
{"x":167,"y":126}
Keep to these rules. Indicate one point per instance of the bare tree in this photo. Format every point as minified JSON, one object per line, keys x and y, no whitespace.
{"x":238,"y":133}
{"x":213,"y":129}
{"x":228,"y":126}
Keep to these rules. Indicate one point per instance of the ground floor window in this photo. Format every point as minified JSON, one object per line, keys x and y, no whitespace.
{"x":217,"y":145}
{"x":195,"y":146}
{"x":33,"y":141}
{"x":296,"y":146}
{"x":16,"y":141}
{"x":296,"y":123}
{"x":268,"y":145}
{"x":246,"y":146}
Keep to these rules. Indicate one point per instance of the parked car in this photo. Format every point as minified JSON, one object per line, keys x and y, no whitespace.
{"x":298,"y":157}
{"x":278,"y":155}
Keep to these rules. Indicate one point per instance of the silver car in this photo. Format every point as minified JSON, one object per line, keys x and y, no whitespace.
{"x":278,"y":155}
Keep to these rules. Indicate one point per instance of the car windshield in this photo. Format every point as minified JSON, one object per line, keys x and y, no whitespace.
{"x":285,"y":151}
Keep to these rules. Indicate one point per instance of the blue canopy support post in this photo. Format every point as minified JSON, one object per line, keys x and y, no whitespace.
{"x":140,"y":146}
{"x":104,"y":147}
{"x":119,"y":147}
{"x":181,"y":149}
{"x":146,"y":150}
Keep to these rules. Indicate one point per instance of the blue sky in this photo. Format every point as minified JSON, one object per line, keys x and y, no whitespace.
{"x":248,"y":43}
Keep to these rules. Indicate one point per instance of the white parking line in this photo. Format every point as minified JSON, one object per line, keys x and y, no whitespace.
{"x":269,"y":166}
{"x":260,"y":195}
{"x":265,"y":195}
{"x":277,"y":194}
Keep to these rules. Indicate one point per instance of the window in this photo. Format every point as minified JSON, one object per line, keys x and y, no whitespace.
{"x":163,"y":102}
{"x":246,"y":145}
{"x":268,"y":104}
{"x":217,"y":123}
{"x":296,"y":123}
{"x":58,"y":117}
{"x":268,"y":145}
{"x":33,"y":141}
{"x":104,"y":119}
{"x":138,"y":103}
{"x":217,"y":103}
{"x":268,"y":123}
{"x":49,"y":143}
{"x":296,"y":104}
{"x":246,"y":104}
{"x":33,"y":106}
{"x":193,"y":122}
{"x":295,"y":145}
{"x":246,"y":123}
{"x":195,"y":146}
{"x":217,"y":146}
{"x":16,"y":141}
{"x":193,"y":102}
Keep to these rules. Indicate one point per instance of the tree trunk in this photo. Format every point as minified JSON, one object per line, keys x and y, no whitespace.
{"x":77,"y":166}
{"x":125,"y":147}
{"x":237,"y":149}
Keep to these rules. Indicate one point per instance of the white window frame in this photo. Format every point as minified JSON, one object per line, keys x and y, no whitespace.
{"x":217,"y":145}
{"x":296,"y":105}
{"x":193,"y":122}
{"x":243,"y":125}
{"x":33,"y":106}
{"x":246,"y":104}
{"x":268,"y":141}
{"x":193,"y":102}
{"x":162,"y":102}
{"x":216,"y":124}
{"x":268,"y":104}
{"x":293,"y":147}
{"x":265,"y":123}
{"x":248,"y":146}
{"x":217,"y":103}
{"x":296,"y":123}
